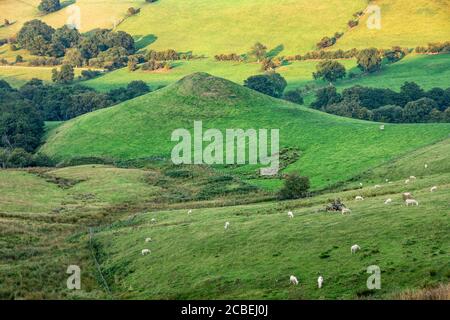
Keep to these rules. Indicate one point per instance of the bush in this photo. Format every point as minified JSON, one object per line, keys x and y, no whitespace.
{"x":294,"y":96}
{"x":271,"y":84}
{"x":418,"y":111}
{"x":65,"y":76}
{"x":326,"y":96}
{"x":19,"y":58}
{"x":15,"y":158}
{"x":369,"y":60}
{"x":89,"y":74}
{"x":326,"y":42}
{"x":36,"y":37}
{"x":295,"y":187}
{"x":330,"y":71}
{"x":49,"y":6}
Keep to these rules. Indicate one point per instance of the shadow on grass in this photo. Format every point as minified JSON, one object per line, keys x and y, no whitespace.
{"x":275,"y":51}
{"x":143,"y":41}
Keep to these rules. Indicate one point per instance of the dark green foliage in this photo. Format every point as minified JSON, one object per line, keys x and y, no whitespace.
{"x":411,"y":91}
{"x":326,"y":96}
{"x":85,"y":102}
{"x":330,"y":71}
{"x":272,"y":84}
{"x":258,"y":51}
{"x":419,"y":110}
{"x":167,"y":55}
{"x":389,"y":113}
{"x":19,"y":58}
{"x":21,"y":125}
{"x":49,"y":6}
{"x":395,"y":54}
{"x":295,"y":187}
{"x":36,"y":37}
{"x":326,"y":42}
{"x":64,"y":76}
{"x":153,"y":65}
{"x":229,"y":57}
{"x":89,"y":74}
{"x":113,"y":58}
{"x":369,"y":60}
{"x":133,"y":90}
{"x":294,"y":96}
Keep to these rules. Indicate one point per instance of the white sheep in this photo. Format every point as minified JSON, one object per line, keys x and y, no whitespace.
{"x":290,"y":215}
{"x":359,"y":198}
{"x":360,"y":184}
{"x":320,"y":282}
{"x":388,"y":201}
{"x":294,"y":280}
{"x":346,"y":210}
{"x":426,"y":166}
{"x":227,"y":225}
{"x":433,"y":189}
{"x":387,"y":180}
{"x":377,"y":186}
{"x":382,"y":127}
{"x":189,"y":212}
{"x":147,"y":240}
{"x":145,"y":252}
{"x":407,"y":181}
{"x":412,"y":178}
{"x":153,"y":220}
{"x":411,"y":202}
{"x":407,"y":195}
{"x":355,"y":248}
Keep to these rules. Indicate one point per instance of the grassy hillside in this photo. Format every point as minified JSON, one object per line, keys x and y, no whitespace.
{"x":332,"y":148}
{"x":193,"y":257}
{"x":427,"y":71}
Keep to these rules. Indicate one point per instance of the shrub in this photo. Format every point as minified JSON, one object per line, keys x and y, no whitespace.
{"x":36,"y":36}
{"x":294,"y":96}
{"x":272,"y":84}
{"x":19,"y":58}
{"x":419,"y":110}
{"x":295,"y":187}
{"x":326,"y":42}
{"x":330,"y":71}
{"x":369,"y":60}
{"x":89,"y":74}
{"x":352,"y":23}
{"x":49,"y":6}
{"x":64,"y":76}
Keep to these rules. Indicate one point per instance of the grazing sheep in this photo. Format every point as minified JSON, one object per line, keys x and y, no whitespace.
{"x":148,"y":240}
{"x":227,"y":225}
{"x":407,"y":195}
{"x":320,"y":282}
{"x":346,"y":210}
{"x":360,"y":184}
{"x":145,"y":252}
{"x":359,"y":198}
{"x":412,"y":178}
{"x":411,"y":202}
{"x":382,"y":127}
{"x":387,"y":180}
{"x":433,"y":189}
{"x":290,"y":214}
{"x":294,"y":280}
{"x":426,"y":166}
{"x":388,"y":201}
{"x":189,"y":212}
{"x":153,"y":220}
{"x":377,"y":186}
{"x":407,"y":181}
{"x":355,"y":248}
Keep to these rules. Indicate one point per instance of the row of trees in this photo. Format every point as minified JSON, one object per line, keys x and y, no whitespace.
{"x":411,"y":105}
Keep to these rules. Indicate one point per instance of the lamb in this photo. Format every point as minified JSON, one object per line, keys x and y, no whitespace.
{"x":433,"y":189}
{"x":359,"y":198}
{"x":345,"y":210}
{"x":411,"y":202}
{"x":320,"y":282}
{"x":227,"y":225}
{"x":407,"y":195}
{"x":290,"y":215}
{"x":145,"y":252}
{"x":148,"y":240}
{"x":388,"y":201}
{"x":294,"y":280}
{"x":355,"y":248}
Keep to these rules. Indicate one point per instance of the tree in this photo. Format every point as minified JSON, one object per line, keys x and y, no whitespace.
{"x":329,"y":70}
{"x":19,"y":58}
{"x":73,"y":58}
{"x":369,"y":60}
{"x":66,"y":37}
{"x":21,"y":126}
{"x":49,"y":6}
{"x":389,"y":113}
{"x":326,"y":96}
{"x":86,"y":102}
{"x":294,"y":96}
{"x":418,"y":111}
{"x":271,"y":84}
{"x":295,"y":187}
{"x":110,"y":59}
{"x":411,"y":91}
{"x":446,"y":115}
{"x":259,"y":51}
{"x":64,"y":76}
{"x":36,"y":37}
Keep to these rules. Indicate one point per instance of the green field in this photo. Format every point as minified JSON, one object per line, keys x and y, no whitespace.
{"x":333,"y":148}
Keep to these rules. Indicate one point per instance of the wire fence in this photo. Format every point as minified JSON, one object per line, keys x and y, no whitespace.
{"x":97,"y":264}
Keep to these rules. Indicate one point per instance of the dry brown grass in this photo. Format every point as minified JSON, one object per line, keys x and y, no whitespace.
{"x":442,"y":292}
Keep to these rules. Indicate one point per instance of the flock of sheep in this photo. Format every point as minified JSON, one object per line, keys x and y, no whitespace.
{"x":407,"y":197}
